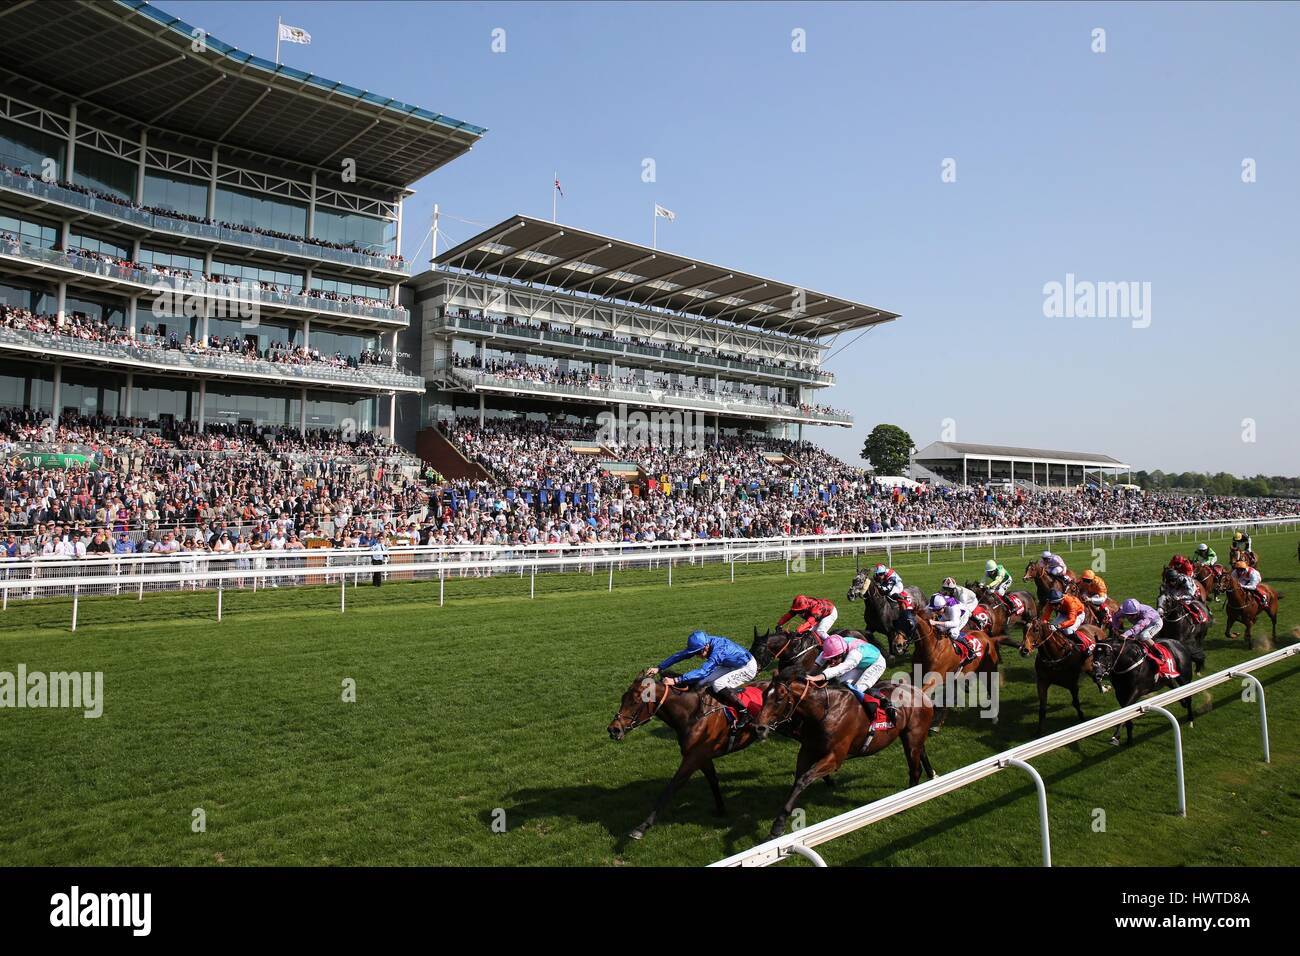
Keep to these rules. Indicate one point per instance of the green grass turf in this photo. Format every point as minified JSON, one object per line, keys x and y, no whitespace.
{"x":495,"y":702}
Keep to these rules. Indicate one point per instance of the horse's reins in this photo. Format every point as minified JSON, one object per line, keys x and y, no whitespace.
{"x":794,"y":707}
{"x":636,"y":718}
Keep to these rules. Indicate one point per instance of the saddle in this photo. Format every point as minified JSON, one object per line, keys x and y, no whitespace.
{"x":1016,"y":605}
{"x":1196,"y":612}
{"x":968,"y":649}
{"x":1164,"y":661}
{"x":752,"y":698}
{"x":980,"y":617}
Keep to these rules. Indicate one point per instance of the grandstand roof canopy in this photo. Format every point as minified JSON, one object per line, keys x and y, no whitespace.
{"x":524,"y":249}
{"x":947,"y":450}
{"x":134,"y":60}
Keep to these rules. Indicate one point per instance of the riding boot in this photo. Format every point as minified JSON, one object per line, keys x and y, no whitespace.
{"x":728,"y":698}
{"x":909,"y":624}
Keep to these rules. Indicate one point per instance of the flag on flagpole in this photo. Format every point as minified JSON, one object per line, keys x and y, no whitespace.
{"x":663,"y":213}
{"x":294,"y":34}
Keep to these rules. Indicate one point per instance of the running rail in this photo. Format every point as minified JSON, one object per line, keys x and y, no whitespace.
{"x":801,"y":842}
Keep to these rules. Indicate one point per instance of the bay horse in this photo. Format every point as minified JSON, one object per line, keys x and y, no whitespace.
{"x":990,"y":598}
{"x":1188,"y":628}
{"x":787,"y":649}
{"x":1044,"y":581}
{"x":1207,"y":576}
{"x":1060,"y":663}
{"x":702,"y":729}
{"x":938,"y":658}
{"x":1134,"y":674}
{"x":1242,"y":606}
{"x":1240,"y":554}
{"x":836,"y":729}
{"x":1098,"y":614}
{"x":881,"y":613}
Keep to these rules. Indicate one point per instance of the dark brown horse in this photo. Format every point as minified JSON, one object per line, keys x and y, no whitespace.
{"x":1243,"y":554}
{"x":1043,"y":581}
{"x":1134,"y":674}
{"x":990,"y":600}
{"x":703,"y":733}
{"x":835,"y":729}
{"x":1207,"y":575}
{"x":1098,"y":614}
{"x":788,"y":649}
{"x":1244,"y":607}
{"x":881,"y":614}
{"x":1060,"y":663}
{"x":937,"y":658}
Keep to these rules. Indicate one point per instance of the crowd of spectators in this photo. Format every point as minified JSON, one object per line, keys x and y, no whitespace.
{"x":164,"y":487}
{"x":395,"y":261}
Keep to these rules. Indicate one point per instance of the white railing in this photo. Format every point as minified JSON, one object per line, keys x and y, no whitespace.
{"x":801,"y":842}
{"x":26,"y":579}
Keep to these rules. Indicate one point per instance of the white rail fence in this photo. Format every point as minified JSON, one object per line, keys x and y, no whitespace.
{"x":801,"y":842}
{"x":115,"y":575}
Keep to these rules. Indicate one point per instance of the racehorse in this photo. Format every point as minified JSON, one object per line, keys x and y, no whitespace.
{"x":1244,"y":607}
{"x":880,"y":612}
{"x":1043,"y":581}
{"x":703,"y":733}
{"x":1060,"y":662}
{"x":1207,"y":576}
{"x":786,"y":648}
{"x":938,"y":657}
{"x":1134,"y":674}
{"x":835,"y":729}
{"x":1239,"y":554}
{"x":1188,"y":625}
{"x":990,"y":600}
{"x":1098,"y":614}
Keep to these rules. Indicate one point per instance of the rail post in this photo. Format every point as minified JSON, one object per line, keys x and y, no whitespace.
{"x":611,"y":574}
{"x":442,"y":584}
{"x":1178,"y":754}
{"x":76,"y":597}
{"x":532,"y":580}
{"x":343,"y":593}
{"x":1263,"y":710}
{"x":219,"y":593}
{"x":1044,"y":827}
{"x":809,"y":854}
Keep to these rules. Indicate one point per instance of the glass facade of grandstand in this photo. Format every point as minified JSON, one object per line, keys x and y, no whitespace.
{"x":145,"y":278}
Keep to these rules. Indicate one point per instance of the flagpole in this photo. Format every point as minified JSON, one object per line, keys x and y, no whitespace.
{"x":654,"y":228}
{"x":555,"y":178}
{"x":277,"y":41}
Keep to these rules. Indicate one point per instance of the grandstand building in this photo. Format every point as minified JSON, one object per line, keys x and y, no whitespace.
{"x":537,"y":319}
{"x":962,"y":463}
{"x":189,"y":232}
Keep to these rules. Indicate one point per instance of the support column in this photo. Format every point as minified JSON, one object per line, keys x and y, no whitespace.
{"x":311,"y":207}
{"x":302,"y":411}
{"x":203,"y":401}
{"x":306,"y":333}
{"x":964,"y":482}
{"x":130,"y":390}
{"x":392,"y":418}
{"x":72,"y":143}
{"x":61,"y":302}
{"x":481,"y":409}
{"x":212,"y":187}
{"x":394,"y":348}
{"x":139,"y":173}
{"x":132,"y":308}
{"x":57,"y":397}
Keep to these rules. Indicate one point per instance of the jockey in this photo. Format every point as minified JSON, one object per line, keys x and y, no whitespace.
{"x":1241,"y":541}
{"x":1204,"y":554}
{"x":1175,"y":586}
{"x":1054,"y":565}
{"x":1092,"y":588}
{"x":963,"y":596}
{"x":1249,"y":579}
{"x":1146,"y":621}
{"x":819,"y":616}
{"x":889,"y":581}
{"x":726,"y":667}
{"x":1180,"y":564}
{"x":949,"y":616}
{"x":1065,"y":612}
{"x":856,"y":664}
{"x":999,"y":578}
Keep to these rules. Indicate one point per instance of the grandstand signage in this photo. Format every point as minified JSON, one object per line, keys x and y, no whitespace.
{"x":656,"y":429}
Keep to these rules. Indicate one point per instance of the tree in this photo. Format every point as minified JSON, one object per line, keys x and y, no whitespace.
{"x":888,"y":449}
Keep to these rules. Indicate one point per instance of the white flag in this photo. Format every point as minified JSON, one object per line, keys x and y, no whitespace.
{"x":665,"y":213}
{"x":294,"y":34}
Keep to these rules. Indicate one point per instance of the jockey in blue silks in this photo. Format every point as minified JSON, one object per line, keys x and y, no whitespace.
{"x":727,"y":666}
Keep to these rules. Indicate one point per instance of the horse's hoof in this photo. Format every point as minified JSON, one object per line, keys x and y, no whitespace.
{"x":935,"y":730}
{"x":637,"y":834}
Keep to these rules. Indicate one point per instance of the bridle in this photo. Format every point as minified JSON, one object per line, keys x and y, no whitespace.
{"x":789,"y":639}
{"x":636,"y":719}
{"x":794,"y":708}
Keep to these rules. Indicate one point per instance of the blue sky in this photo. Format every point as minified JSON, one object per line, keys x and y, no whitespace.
{"x":823,"y":168}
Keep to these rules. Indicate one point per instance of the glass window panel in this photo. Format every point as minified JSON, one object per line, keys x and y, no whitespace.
{"x":186,"y":197}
